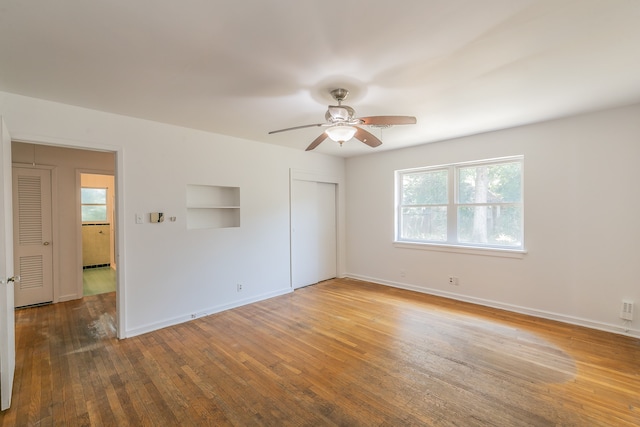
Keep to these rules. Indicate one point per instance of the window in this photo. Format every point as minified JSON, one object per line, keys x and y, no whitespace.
{"x":477,"y":204}
{"x":425,"y":199}
{"x":94,"y":204}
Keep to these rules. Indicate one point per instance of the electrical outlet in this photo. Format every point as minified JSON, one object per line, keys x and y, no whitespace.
{"x":626,"y":310}
{"x":239,"y":287}
{"x":198,"y":315}
{"x":453,"y":280}
{"x":402,"y":273}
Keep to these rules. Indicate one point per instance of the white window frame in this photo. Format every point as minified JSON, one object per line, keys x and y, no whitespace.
{"x":452,"y":244}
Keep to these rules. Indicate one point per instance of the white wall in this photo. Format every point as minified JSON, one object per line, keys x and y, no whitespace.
{"x":170,"y":272}
{"x":582,"y":221}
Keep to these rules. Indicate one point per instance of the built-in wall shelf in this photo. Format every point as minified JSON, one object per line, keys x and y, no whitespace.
{"x":212,"y":206}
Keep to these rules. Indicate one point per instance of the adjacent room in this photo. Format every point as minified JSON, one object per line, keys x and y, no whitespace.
{"x":320,"y":213}
{"x":97,"y":203}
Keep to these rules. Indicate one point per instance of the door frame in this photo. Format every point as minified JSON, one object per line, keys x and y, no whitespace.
{"x":120,"y":245}
{"x":303,"y":175}
{"x":55,"y":232}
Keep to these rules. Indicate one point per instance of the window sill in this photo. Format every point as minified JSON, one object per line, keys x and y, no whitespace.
{"x":459,"y":249}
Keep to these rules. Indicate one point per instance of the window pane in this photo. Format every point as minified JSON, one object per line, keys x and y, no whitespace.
{"x":93,"y":196}
{"x":94,"y":213}
{"x":424,"y":224}
{"x":425,"y":188}
{"x":490,"y":225}
{"x":499,"y":183}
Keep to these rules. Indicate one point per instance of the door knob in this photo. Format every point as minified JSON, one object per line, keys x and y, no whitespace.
{"x":46,"y":243}
{"x":10,"y":279}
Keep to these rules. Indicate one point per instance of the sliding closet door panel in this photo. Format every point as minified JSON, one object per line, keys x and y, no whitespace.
{"x":326,"y":226}
{"x":304,"y":241}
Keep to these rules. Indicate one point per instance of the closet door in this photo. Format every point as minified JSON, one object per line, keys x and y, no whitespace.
{"x":326,"y":230}
{"x":313,"y":232}
{"x":32,"y":233}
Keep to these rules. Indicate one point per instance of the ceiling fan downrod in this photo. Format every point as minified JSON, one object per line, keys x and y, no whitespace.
{"x":339,"y":94}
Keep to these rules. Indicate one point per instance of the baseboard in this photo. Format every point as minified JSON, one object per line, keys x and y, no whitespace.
{"x":206,"y":312}
{"x":607,"y":327}
{"x":65,"y":298}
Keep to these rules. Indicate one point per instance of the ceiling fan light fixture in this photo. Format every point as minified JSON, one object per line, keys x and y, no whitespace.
{"x":342,"y":124}
{"x":341,"y":133}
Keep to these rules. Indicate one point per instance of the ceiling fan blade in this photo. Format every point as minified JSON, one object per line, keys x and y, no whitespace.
{"x":388,"y":120}
{"x":297,"y":127}
{"x":317,"y":141}
{"x":367,"y":137}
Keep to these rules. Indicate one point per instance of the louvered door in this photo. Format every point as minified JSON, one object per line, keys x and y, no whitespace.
{"x":33,"y":249}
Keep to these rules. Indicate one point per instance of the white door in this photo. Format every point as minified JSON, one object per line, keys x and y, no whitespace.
{"x":327,"y":230}
{"x":32,"y":232}
{"x":304,"y":248}
{"x":7,"y":315}
{"x":313,"y":232}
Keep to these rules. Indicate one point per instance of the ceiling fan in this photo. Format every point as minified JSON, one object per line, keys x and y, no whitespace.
{"x":342,"y":125}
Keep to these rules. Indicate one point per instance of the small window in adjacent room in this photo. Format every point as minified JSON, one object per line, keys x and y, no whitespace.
{"x":478,"y":204}
{"x":94,"y":204}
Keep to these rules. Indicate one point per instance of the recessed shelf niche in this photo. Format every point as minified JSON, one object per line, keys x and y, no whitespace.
{"x":212,"y":206}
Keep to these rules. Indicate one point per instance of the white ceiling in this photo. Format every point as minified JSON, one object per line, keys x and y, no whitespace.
{"x":244,"y":68}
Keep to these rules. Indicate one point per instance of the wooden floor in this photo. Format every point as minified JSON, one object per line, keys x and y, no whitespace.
{"x":342,"y":352}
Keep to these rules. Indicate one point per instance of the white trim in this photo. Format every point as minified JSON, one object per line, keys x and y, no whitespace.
{"x":302,"y":175}
{"x":504,"y":159}
{"x":63,"y":142}
{"x":572,"y":320}
{"x":205,"y":312}
{"x":121,"y":306}
{"x":459,"y":249}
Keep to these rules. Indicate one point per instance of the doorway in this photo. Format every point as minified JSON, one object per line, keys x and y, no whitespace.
{"x":66,"y":165}
{"x":97,"y":211}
